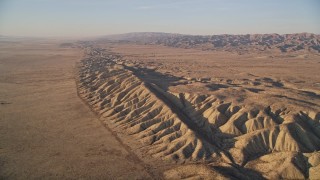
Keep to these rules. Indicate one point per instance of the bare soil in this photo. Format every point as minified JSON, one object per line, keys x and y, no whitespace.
{"x":46,"y":131}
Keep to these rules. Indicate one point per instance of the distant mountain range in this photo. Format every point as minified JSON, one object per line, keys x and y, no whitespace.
{"x":299,"y":42}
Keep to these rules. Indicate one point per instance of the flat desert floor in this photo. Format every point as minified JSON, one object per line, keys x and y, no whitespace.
{"x":46,"y":131}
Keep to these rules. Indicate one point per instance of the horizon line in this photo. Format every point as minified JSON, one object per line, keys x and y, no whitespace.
{"x":137,"y":32}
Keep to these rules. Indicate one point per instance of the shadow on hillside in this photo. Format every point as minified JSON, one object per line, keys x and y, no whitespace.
{"x":164,"y":81}
{"x":198,"y":123}
{"x":238,"y":172}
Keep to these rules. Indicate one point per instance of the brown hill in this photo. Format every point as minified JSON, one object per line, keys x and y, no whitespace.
{"x":239,"y":43}
{"x":234,"y":139}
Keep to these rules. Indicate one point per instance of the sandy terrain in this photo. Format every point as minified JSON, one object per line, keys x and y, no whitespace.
{"x":130,"y":111}
{"x":46,"y":131}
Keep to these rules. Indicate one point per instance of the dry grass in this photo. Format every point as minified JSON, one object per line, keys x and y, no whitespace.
{"x":47,"y":132}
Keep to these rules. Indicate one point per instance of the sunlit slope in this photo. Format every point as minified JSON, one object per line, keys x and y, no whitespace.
{"x":184,"y":126}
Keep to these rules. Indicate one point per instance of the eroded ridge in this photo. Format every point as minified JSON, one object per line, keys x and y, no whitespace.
{"x":125,"y":101}
{"x":183,"y":126}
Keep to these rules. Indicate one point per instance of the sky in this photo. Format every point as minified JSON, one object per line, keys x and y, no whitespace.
{"x":84,"y":18}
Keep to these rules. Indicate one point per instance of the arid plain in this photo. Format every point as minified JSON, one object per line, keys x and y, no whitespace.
{"x":114,"y":109}
{"x":47,"y":132}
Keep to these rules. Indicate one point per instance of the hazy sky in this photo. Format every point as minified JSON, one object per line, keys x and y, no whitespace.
{"x":101,"y":17}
